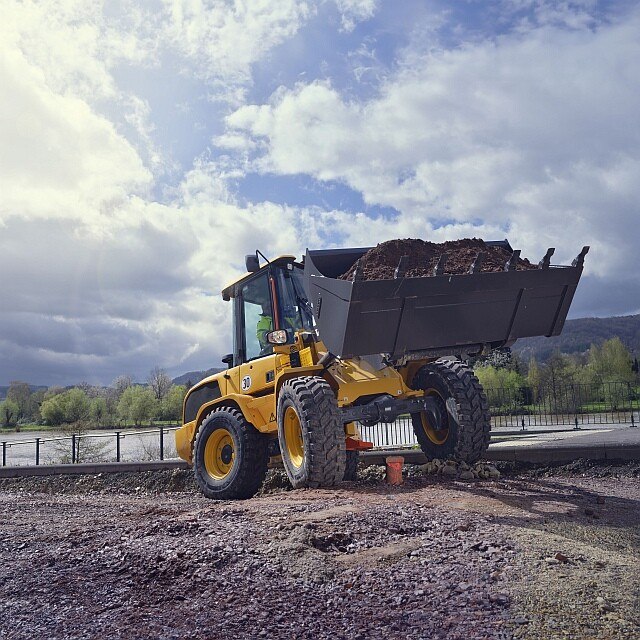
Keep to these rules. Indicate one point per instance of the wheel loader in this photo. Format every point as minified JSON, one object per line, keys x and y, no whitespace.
{"x":314,"y":356}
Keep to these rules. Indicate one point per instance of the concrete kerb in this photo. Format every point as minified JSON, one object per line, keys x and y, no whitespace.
{"x":531,"y":454}
{"x":89,"y":468}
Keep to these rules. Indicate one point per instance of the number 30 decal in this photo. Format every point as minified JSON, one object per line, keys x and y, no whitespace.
{"x":246,"y":383}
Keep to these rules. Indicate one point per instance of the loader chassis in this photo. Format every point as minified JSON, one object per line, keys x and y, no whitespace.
{"x":287,"y":393}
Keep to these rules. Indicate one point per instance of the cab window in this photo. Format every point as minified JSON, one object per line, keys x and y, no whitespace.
{"x":294,"y":309}
{"x":258,"y":317}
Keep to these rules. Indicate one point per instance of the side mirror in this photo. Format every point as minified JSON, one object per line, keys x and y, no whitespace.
{"x":228,"y":360}
{"x":252,"y":263}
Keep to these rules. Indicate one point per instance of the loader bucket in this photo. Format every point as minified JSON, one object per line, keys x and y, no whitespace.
{"x":435,"y":315}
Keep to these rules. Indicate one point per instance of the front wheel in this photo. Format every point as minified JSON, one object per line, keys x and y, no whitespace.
{"x":459,"y":427}
{"x":230,"y":456}
{"x":310,"y":433}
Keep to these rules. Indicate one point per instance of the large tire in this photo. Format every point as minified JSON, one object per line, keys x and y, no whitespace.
{"x":462,"y":422}
{"x":351,"y":468}
{"x":230,"y":456}
{"x":310,"y":433}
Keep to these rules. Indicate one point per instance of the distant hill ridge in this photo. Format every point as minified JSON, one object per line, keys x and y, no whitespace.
{"x":195,"y":376}
{"x":578,"y":335}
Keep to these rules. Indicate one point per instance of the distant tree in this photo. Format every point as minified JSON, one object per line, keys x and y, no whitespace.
{"x":37,"y":397}
{"x":558,"y":383}
{"x":502,"y":386}
{"x":172,"y":403}
{"x":121,"y":384}
{"x":53,"y":391}
{"x":20,"y":393}
{"x":534,"y":377}
{"x":8,"y":413}
{"x":98,"y":410}
{"x":611,"y":362}
{"x":86,"y":387}
{"x":137,"y":404}
{"x":52,"y":410}
{"x":66,"y":407}
{"x":77,"y":405}
{"x":159,"y":382}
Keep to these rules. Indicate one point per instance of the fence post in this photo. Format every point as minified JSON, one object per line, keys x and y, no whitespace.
{"x":117,"y":446}
{"x":161,"y":442}
{"x":4,"y":454}
{"x":73,"y":448}
{"x":37,"y":451}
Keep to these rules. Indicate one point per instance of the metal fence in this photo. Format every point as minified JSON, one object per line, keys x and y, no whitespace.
{"x":570,"y":404}
{"x":118,"y":446}
{"x":560,"y":407}
{"x":554,"y":408}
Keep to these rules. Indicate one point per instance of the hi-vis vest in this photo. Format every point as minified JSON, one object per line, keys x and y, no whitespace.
{"x":262,"y":328}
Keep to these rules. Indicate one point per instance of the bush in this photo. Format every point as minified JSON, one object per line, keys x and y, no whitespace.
{"x":502,"y":386}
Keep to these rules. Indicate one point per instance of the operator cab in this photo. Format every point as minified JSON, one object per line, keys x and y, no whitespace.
{"x":266,"y":299}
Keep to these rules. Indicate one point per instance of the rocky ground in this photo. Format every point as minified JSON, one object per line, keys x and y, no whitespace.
{"x":537,"y":553}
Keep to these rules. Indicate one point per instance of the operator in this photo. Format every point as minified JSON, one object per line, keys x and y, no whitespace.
{"x":264,"y":326}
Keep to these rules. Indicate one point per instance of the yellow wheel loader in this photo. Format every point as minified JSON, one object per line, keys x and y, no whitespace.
{"x":314,"y":356}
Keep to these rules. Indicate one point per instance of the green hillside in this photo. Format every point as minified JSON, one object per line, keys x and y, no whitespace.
{"x":194,"y":376}
{"x":579,"y":334}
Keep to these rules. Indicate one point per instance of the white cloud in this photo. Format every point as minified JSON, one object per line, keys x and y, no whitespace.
{"x":58,"y":158}
{"x":529,"y":133}
{"x":99,"y":279}
{"x":223,"y":39}
{"x":354,"y":11}
{"x":74,"y":44}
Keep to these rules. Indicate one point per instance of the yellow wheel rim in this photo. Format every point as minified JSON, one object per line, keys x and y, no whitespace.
{"x":293,"y":437}
{"x":219,"y":454}
{"x":438,"y":434}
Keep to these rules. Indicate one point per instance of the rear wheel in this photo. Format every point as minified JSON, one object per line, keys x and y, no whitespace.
{"x":351,"y":468}
{"x":459,"y":427}
{"x":230,"y":456}
{"x":310,"y":433}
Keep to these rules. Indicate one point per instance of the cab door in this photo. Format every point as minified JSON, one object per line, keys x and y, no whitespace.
{"x":255,"y":308}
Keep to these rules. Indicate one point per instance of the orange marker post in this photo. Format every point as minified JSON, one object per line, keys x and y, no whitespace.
{"x":394,"y":470}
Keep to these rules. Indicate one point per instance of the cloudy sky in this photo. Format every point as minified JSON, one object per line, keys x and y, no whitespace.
{"x":146,"y":146}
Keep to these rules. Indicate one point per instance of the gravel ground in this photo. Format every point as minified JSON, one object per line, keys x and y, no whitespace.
{"x":145,"y":556}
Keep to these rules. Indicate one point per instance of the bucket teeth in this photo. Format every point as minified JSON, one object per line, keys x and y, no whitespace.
{"x":401,"y":269}
{"x":512,"y":261}
{"x":477,"y":263}
{"x":357,"y":272}
{"x":439,"y":268}
{"x":546,"y":261}
{"x":579,"y":261}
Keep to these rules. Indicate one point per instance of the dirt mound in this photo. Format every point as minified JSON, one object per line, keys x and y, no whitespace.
{"x":380,"y":262}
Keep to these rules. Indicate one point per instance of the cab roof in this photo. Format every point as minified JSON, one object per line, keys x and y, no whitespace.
{"x":229,"y":291}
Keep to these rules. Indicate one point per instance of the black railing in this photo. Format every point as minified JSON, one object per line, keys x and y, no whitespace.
{"x":556,"y":407}
{"x":552,"y":408}
{"x":571,"y":404}
{"x":90,"y":447}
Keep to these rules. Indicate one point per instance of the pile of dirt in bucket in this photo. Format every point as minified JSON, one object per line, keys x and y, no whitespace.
{"x":380,"y":262}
